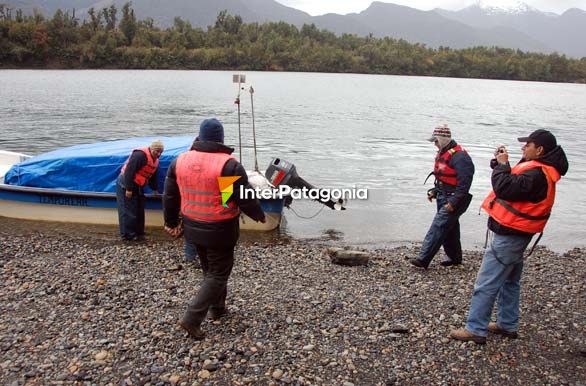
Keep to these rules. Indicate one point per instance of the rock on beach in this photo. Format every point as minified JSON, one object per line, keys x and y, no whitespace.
{"x":85,"y":308}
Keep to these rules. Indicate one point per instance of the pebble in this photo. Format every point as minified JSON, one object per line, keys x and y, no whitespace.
{"x":86,"y":308}
{"x":102,"y":355}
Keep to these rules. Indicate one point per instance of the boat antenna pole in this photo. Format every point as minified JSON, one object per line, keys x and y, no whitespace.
{"x":253,"y":128}
{"x":239,"y":79}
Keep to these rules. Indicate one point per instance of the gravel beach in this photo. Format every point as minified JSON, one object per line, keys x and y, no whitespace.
{"x":78,"y":306}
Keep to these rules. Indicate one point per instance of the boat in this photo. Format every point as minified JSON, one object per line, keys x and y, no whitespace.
{"x":77,"y":184}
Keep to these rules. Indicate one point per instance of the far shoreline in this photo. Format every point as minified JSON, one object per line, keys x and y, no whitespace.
{"x":58,"y":68}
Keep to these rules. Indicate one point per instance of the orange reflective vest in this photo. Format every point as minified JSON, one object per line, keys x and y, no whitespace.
{"x":442,"y":170}
{"x":145,"y":173}
{"x":197,"y":176}
{"x":524,"y":216}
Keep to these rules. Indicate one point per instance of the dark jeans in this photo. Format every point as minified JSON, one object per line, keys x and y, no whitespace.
{"x":216,"y":264}
{"x":444,"y":231}
{"x":190,"y":251}
{"x":130,"y":211}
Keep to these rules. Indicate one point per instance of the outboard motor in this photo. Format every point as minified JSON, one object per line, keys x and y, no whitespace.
{"x":281,"y":172}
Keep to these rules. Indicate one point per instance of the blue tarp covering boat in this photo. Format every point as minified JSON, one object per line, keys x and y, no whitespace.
{"x":90,"y":168}
{"x":78,"y":184}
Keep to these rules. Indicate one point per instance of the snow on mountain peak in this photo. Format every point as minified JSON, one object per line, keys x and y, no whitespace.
{"x":492,"y":7}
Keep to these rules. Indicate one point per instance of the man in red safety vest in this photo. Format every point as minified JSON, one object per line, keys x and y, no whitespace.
{"x":209,"y":222}
{"x":518,"y":207}
{"x":139,"y":170}
{"x":453,"y":171}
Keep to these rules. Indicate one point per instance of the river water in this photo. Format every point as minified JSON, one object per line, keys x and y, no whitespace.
{"x":340,"y":130}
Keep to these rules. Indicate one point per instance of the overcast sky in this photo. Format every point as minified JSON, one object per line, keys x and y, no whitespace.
{"x":319,"y":7}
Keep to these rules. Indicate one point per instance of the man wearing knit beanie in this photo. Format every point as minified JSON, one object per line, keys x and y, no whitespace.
{"x":211,"y":130}
{"x":139,"y":170}
{"x":211,"y":225}
{"x":453,"y":171}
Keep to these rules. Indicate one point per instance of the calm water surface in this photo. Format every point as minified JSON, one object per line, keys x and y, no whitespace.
{"x":340,"y":130}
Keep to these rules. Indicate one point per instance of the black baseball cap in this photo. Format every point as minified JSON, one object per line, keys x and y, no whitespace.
{"x":541,"y":137}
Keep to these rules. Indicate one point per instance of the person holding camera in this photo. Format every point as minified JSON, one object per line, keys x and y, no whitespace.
{"x":453,"y":171}
{"x":518,"y":207}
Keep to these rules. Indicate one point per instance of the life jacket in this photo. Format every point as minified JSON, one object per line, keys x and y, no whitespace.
{"x":524,"y":216}
{"x":145,"y":173}
{"x":197,"y":176}
{"x":442,"y":170}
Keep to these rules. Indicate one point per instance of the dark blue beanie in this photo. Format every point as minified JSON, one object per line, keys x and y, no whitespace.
{"x":211,"y":130}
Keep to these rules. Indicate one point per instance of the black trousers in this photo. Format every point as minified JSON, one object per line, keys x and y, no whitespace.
{"x":216,"y":264}
{"x":130,"y":211}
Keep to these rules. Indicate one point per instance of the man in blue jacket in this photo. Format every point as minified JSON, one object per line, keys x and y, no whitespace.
{"x":453,"y":171}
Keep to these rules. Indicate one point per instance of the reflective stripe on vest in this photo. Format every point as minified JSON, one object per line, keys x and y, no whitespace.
{"x":524,"y":216}
{"x":442,"y":170}
{"x":145,"y":173}
{"x":197,"y":176}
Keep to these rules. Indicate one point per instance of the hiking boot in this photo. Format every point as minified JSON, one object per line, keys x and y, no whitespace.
{"x":217,"y":313}
{"x":194,"y":332}
{"x":449,"y":263}
{"x":466,"y":336}
{"x":418,"y":263}
{"x":495,"y":329}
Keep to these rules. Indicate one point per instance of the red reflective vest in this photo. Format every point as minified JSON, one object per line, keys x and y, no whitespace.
{"x":442,"y":170}
{"x":197,"y":176}
{"x":524,"y":216}
{"x":146,"y":172}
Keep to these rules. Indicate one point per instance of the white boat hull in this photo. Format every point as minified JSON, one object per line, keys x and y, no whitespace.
{"x":40,"y":204}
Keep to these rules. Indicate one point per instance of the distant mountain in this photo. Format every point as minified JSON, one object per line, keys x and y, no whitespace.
{"x":564,"y":33}
{"x":203,"y":13}
{"x":199,"y":12}
{"x":520,"y":26}
{"x":428,"y":27}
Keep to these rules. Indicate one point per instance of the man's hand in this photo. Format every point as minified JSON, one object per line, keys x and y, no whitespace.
{"x":431,"y":194}
{"x":501,"y":155}
{"x":174,"y":232}
{"x":450,"y":208}
{"x":128,"y":193}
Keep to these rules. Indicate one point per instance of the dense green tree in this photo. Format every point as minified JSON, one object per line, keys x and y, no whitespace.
{"x":110,"y":16}
{"x":95,"y":21}
{"x":128,"y":24}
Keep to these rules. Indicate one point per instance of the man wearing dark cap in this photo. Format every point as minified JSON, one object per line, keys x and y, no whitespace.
{"x":139,"y":170}
{"x":453,"y":171}
{"x":518,"y":207}
{"x":210,"y":224}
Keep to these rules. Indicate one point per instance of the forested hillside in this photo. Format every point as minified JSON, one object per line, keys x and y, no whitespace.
{"x":112,"y":38}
